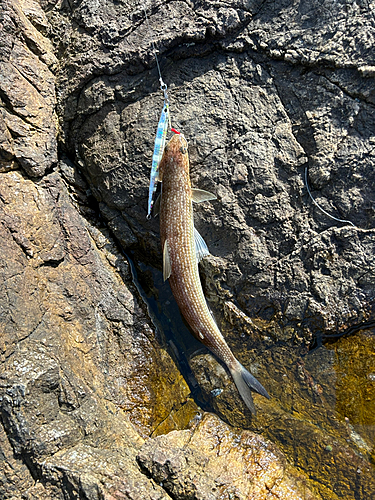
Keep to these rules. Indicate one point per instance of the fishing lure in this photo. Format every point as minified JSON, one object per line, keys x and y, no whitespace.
{"x":161,"y":134}
{"x":164,"y":122}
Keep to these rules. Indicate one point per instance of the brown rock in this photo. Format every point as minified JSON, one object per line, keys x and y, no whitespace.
{"x":319,"y":414}
{"x":80,"y":361}
{"x":28,"y":123}
{"x":354,"y":367}
{"x":215,"y":461}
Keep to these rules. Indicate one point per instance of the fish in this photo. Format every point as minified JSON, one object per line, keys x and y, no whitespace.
{"x":183,"y":248}
{"x":161,"y":135}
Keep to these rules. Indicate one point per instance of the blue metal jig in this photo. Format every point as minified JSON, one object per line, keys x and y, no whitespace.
{"x":161,"y":134}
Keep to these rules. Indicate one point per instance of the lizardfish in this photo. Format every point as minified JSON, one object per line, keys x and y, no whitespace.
{"x":183,"y":247}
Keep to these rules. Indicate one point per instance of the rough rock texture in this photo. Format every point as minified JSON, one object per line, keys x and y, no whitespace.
{"x":60,"y":292}
{"x":28,"y":123}
{"x":214,"y":461}
{"x":267,"y":94}
{"x":79,"y":359}
{"x":262,"y":92}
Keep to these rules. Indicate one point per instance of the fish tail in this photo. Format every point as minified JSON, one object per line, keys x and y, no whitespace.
{"x":244,"y":382}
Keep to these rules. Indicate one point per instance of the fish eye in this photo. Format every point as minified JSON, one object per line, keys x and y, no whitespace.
{"x":183,"y":150}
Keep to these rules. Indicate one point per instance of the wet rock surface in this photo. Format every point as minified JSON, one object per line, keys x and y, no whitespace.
{"x":320,"y":413}
{"x":93,"y":403}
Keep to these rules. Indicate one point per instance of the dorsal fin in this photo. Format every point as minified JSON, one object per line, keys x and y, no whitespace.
{"x":199,"y":195}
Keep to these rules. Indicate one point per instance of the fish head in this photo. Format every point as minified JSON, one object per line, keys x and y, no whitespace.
{"x":175,"y":155}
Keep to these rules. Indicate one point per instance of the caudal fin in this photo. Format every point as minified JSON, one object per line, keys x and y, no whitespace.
{"x":244,"y":382}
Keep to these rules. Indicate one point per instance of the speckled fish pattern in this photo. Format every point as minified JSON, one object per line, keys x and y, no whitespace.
{"x":176,"y":226}
{"x":177,"y":229}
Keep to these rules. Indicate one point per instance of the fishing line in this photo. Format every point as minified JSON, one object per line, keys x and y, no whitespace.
{"x":163,"y":85}
{"x":161,"y":133}
{"x":322,"y":209}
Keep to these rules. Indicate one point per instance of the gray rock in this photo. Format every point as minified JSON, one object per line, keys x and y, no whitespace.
{"x":258,"y":108}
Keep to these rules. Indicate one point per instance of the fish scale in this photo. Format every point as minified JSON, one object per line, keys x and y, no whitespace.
{"x":180,"y":262}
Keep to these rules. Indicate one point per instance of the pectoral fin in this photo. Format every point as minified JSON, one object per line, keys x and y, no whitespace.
{"x":166,"y":262}
{"x":201,"y":249}
{"x":199,"y":195}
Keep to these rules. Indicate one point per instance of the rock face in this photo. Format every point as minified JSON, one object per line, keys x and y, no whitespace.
{"x":78,"y":354}
{"x":275,"y":101}
{"x":28,"y":122}
{"x":214,"y":461}
{"x":257,"y":119}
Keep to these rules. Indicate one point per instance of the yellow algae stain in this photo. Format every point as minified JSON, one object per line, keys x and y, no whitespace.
{"x":355,"y":381}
